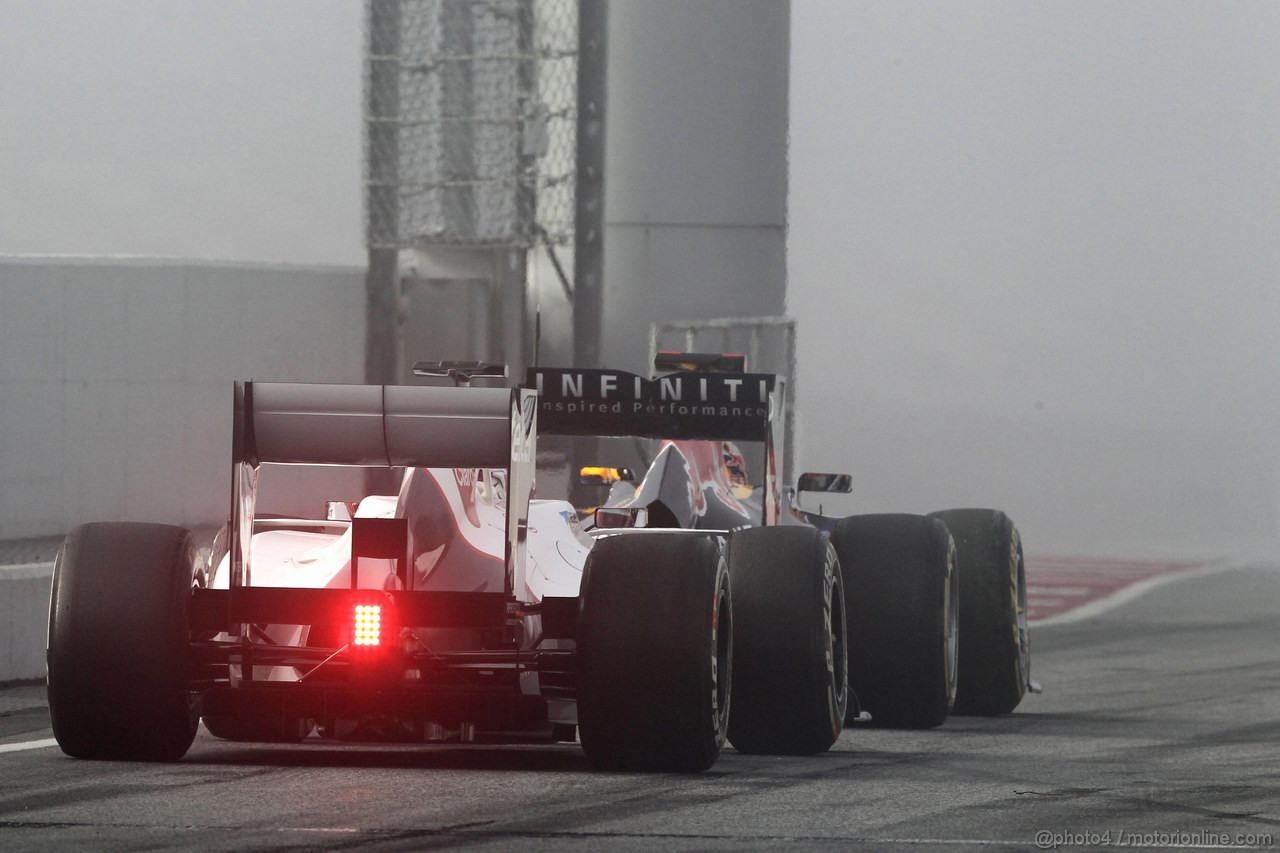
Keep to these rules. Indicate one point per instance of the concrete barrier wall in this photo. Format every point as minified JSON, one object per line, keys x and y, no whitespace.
{"x":24,"y":608}
{"x":115,"y":380}
{"x":115,"y":398}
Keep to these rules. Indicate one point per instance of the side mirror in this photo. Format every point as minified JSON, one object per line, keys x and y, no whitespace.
{"x":595,"y":475}
{"x":619,"y":517}
{"x":813,"y":482}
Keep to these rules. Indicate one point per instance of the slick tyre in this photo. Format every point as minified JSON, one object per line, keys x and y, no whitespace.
{"x":655,"y":641}
{"x":118,"y":639}
{"x":995,"y":656}
{"x":901,"y":605}
{"x":790,"y":670}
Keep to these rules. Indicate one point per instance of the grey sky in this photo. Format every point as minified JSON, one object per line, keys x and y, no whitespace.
{"x":226,"y":129}
{"x":992,"y":204}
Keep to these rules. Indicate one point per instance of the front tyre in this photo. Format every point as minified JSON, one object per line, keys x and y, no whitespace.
{"x":995,"y":658}
{"x":655,"y":646}
{"x":899,"y":574}
{"x":118,"y":637}
{"x":790,"y":669}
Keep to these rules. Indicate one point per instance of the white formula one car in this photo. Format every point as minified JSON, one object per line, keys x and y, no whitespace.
{"x":461,"y":609}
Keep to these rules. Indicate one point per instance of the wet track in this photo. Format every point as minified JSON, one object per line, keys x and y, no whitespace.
{"x":1159,"y":718}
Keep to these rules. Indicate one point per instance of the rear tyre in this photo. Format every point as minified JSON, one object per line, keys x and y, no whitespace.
{"x":257,"y":729}
{"x":790,"y":670}
{"x":899,"y":575}
{"x":118,"y":639}
{"x":995,"y":659}
{"x":655,"y":640}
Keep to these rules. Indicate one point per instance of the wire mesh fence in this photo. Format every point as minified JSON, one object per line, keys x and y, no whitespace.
{"x":470,"y":111}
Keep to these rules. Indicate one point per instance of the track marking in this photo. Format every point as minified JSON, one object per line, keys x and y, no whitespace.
{"x":1049,"y":589}
{"x":1129,"y":593}
{"x":1059,"y":585}
{"x":26,"y":570}
{"x":30,"y":744}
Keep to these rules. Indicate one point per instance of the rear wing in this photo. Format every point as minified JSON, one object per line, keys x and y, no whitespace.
{"x":689,"y":405}
{"x":376,"y":425}
{"x":382,"y":426}
{"x":695,"y":405}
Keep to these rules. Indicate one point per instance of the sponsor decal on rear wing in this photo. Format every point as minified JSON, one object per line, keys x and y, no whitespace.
{"x":733,"y":407}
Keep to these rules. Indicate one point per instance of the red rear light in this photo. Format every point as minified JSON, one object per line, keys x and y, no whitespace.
{"x":367,"y":625}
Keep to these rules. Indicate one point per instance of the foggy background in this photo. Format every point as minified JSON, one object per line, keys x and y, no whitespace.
{"x":1052,"y":227}
{"x":1032,"y":246}
{"x":226,"y":129}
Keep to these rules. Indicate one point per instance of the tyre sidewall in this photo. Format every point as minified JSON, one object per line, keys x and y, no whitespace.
{"x":834,"y":640}
{"x":719,"y":686}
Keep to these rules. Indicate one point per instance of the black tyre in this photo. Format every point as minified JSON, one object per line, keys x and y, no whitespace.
{"x":118,"y":642}
{"x":257,"y":729}
{"x":901,"y":605}
{"x":790,"y":669}
{"x":995,"y":657}
{"x":655,"y":640}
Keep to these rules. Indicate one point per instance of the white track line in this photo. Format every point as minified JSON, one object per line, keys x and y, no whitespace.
{"x":26,"y":570}
{"x":30,"y":744}
{"x":1133,"y":591}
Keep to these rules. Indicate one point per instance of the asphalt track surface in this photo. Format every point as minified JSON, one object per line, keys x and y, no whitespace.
{"x":1160,"y":718}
